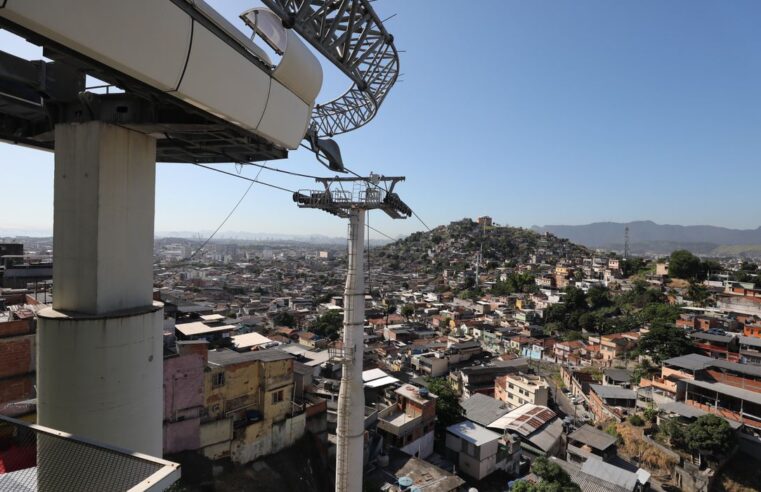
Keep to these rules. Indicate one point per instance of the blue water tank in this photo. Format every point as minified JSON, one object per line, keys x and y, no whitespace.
{"x":405,"y":481}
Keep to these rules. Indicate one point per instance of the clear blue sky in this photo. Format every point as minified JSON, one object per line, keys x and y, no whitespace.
{"x":533,"y":112}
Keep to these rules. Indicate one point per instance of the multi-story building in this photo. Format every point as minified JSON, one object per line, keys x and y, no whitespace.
{"x":478,"y":451}
{"x":184,"y":396}
{"x":408,"y":423}
{"x":248,"y":408}
{"x":728,"y":389}
{"x":717,"y":346}
{"x":616,"y":346}
{"x":519,"y":389}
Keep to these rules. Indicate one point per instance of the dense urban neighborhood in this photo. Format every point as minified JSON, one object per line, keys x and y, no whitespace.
{"x":495,"y":358}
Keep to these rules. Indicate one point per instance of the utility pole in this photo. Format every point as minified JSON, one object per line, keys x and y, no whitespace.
{"x":366,"y":194}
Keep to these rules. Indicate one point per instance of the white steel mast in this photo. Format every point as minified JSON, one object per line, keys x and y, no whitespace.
{"x":366,"y":194}
{"x":351,"y":396}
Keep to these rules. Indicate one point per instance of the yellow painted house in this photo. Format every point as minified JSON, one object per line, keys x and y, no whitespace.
{"x":248,"y":405}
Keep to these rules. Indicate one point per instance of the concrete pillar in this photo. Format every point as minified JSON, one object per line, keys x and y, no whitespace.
{"x":350,"y":427}
{"x":99,"y":349}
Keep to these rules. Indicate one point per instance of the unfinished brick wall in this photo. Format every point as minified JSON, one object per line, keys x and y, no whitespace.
{"x":17,"y":327}
{"x":16,"y":356}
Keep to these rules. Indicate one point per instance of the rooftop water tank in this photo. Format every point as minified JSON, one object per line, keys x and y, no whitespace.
{"x":405,"y":482}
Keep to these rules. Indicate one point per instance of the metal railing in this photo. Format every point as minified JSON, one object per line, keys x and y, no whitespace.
{"x":341,"y":355}
{"x":39,"y":458}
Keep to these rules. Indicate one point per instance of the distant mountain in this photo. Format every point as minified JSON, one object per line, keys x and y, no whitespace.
{"x":647,"y":236}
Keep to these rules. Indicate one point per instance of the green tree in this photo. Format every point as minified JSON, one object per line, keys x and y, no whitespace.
{"x":588,"y":322}
{"x":663,"y":342}
{"x":643,"y":370}
{"x":554,"y":478}
{"x":408,"y":310}
{"x":448,"y":409}
{"x":598,"y":297}
{"x":684,"y":264}
{"x":674,"y":430}
{"x":284,"y":318}
{"x":574,"y":299}
{"x":658,"y":312}
{"x":710,"y":435}
{"x":698,"y":294}
{"x":572,"y":335}
{"x":632,"y":266}
{"x":328,"y":325}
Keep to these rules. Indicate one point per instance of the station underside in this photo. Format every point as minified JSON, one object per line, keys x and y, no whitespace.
{"x":37,"y":95}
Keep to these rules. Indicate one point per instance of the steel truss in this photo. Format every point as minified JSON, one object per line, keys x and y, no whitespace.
{"x":350,"y":35}
{"x":359,"y":193}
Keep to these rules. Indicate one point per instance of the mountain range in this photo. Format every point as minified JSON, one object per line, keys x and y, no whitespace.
{"x":648,"y":237}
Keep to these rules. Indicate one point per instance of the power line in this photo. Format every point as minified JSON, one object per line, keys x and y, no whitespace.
{"x":250,"y":185}
{"x":253,"y":180}
{"x":256,"y":180}
{"x":382,"y":233}
{"x":421,"y":220}
{"x":292,"y":173}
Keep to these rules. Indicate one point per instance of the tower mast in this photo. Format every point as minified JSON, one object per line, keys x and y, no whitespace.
{"x":353,"y":205}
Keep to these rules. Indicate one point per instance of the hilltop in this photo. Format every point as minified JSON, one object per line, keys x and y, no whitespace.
{"x":459,"y":244}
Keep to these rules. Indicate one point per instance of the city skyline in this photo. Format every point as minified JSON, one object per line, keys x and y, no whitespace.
{"x":572,"y":116}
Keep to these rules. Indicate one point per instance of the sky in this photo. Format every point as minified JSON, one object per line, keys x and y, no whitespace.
{"x":533,"y":112}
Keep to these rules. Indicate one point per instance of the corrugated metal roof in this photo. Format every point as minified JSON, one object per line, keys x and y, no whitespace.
{"x":597,"y":439}
{"x":197,"y":328}
{"x":483,"y":409}
{"x":726,"y":389}
{"x":371,"y":374}
{"x":546,"y":438}
{"x":609,"y":473}
{"x":384,"y":381}
{"x":615,"y":392}
{"x":249,"y":340}
{"x":693,"y":362}
{"x":525,"y":419}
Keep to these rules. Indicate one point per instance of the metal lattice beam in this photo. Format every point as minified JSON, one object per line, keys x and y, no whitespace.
{"x":350,"y":35}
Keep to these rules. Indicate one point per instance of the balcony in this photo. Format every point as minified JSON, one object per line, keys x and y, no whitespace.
{"x":39,"y":458}
{"x":396,"y":422}
{"x":663,"y":384}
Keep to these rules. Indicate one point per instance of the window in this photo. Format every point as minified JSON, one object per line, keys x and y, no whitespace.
{"x":277,"y":397}
{"x":217,"y":380}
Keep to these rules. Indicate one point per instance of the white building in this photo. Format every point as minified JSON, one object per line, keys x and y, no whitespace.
{"x":519,"y":388}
